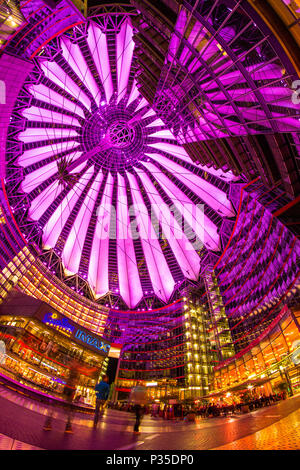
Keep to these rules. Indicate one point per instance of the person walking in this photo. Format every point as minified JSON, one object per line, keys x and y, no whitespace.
{"x":138,"y":397}
{"x":69,"y":392}
{"x":102,"y":391}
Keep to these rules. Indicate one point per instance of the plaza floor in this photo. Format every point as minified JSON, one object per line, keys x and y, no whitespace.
{"x":276,"y":427}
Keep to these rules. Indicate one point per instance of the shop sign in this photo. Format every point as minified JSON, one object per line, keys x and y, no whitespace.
{"x":92,"y":341}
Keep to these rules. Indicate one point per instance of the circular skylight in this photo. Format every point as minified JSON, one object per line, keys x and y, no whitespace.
{"x":108,"y":189}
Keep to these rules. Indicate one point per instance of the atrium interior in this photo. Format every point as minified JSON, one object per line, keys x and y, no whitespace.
{"x":149,"y":223}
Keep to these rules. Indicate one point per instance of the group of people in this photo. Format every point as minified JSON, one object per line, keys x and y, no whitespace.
{"x":138,"y":403}
{"x":138,"y":400}
{"x":182,"y":411}
{"x":223,"y":409}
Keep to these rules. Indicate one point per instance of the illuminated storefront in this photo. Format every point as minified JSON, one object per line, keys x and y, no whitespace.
{"x":270,"y":364}
{"x":42,"y":344}
{"x":161,"y":390}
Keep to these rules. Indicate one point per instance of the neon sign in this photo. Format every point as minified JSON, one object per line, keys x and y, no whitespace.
{"x":60,"y":324}
{"x":92,"y":341}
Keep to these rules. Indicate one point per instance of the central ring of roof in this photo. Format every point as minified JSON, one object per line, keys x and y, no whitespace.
{"x":119,"y":139}
{"x":121,"y":135}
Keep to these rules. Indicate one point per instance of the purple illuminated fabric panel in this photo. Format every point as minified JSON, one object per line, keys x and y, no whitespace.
{"x":172,"y":149}
{"x":13,"y":73}
{"x":257,"y":72}
{"x":156,"y":123}
{"x":182,"y":248}
{"x":73,"y":248}
{"x":204,"y":228}
{"x":179,"y":152}
{"x":98,"y":47}
{"x":44,"y":115}
{"x":210,"y":194}
{"x":238,"y":98}
{"x":59,"y":77}
{"x":75,"y":59}
{"x":98,"y":266}
{"x":175,"y":40}
{"x":129,"y":279}
{"x":125,"y":47}
{"x":165,"y":134}
{"x":32,"y":156}
{"x":47,"y":95}
{"x":149,"y":113}
{"x":141,"y":105}
{"x":36,"y":177}
{"x":161,"y":278}
{"x":134,"y":94}
{"x":39,"y":134}
{"x":40,"y":204}
{"x":58,"y":219}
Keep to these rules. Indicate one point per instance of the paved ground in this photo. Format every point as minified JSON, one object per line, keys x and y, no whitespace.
{"x":22,"y":420}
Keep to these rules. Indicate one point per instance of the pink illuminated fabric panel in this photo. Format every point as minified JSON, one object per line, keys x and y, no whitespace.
{"x":208,"y":126}
{"x":172,"y":149}
{"x":98,"y":266}
{"x":149,"y":113}
{"x":257,"y":115}
{"x":204,"y":228}
{"x":75,"y":59}
{"x":209,"y":193}
{"x":226,"y":176}
{"x":273,"y":95}
{"x":73,"y":248}
{"x":59,"y":77}
{"x":175,"y":40}
{"x":156,"y":123}
{"x":37,"y":134}
{"x":141,"y":105}
{"x":161,"y":278}
{"x":228,"y":83}
{"x":164,"y":134}
{"x":98,"y":46}
{"x":134,"y":94}
{"x":44,"y":200}
{"x":38,"y":176}
{"x":257,"y":72}
{"x":183,"y":250}
{"x":125,"y":47}
{"x":29,"y":157}
{"x":47,"y":116}
{"x":129,"y":279}
{"x":56,"y":223}
{"x":179,"y":152}
{"x":198,"y":38}
{"x":47,"y":95}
